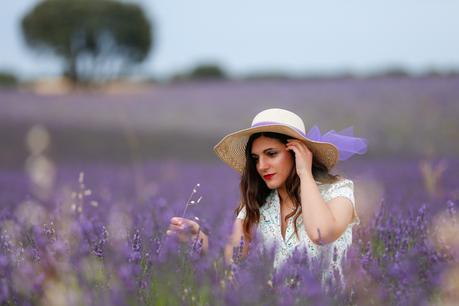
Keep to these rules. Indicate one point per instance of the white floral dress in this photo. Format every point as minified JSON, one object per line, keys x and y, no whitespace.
{"x":269,"y":230}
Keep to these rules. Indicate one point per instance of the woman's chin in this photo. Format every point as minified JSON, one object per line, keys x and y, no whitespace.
{"x":272,"y":185}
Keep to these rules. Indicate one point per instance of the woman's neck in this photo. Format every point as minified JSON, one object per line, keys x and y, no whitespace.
{"x":283,"y":195}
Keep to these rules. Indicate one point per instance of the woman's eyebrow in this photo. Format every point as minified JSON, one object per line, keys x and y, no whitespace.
{"x":265,"y":151}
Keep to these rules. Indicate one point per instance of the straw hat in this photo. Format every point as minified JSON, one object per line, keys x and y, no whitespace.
{"x":231,"y":149}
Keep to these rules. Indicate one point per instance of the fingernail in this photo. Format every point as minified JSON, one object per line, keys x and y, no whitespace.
{"x":176,"y":220}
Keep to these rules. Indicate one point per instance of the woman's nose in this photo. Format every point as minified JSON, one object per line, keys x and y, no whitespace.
{"x":262,"y":163}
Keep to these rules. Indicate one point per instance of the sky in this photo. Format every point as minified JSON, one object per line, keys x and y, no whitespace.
{"x":298,"y":37}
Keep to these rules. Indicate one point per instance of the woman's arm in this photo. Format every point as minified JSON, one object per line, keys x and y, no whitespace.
{"x":330,"y":219}
{"x":324,"y":222}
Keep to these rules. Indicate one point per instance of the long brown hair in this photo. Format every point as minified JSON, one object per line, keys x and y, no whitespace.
{"x":254,"y":190}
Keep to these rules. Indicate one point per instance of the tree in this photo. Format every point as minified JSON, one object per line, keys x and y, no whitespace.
{"x":207,"y":71}
{"x":97,"y":40}
{"x":7,"y":79}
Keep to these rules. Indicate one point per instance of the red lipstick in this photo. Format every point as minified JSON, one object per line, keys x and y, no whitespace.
{"x":268,"y":176}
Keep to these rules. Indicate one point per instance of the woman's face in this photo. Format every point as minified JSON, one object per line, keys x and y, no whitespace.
{"x":273,"y":161}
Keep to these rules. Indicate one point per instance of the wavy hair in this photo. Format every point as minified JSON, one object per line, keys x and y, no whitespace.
{"x":254,"y":190}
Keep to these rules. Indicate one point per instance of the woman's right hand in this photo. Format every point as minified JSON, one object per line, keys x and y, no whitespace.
{"x":184,"y":229}
{"x":187,"y":231}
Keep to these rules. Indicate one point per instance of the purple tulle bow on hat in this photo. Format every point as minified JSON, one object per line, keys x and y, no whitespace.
{"x":344,"y":140}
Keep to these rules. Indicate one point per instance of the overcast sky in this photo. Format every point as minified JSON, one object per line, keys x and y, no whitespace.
{"x":298,"y":37}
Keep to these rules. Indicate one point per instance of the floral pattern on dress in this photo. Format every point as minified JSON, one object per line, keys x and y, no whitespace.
{"x":269,"y":230}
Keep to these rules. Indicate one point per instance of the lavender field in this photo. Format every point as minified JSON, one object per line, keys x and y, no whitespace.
{"x":89,"y":181}
{"x":399,"y":116}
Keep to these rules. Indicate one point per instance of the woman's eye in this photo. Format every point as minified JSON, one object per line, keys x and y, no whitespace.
{"x":272,"y":154}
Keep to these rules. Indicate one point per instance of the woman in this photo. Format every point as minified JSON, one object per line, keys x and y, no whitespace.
{"x":288,"y":195}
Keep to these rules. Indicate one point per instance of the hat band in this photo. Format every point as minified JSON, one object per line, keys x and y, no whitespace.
{"x":344,"y":140}
{"x":267,"y":123}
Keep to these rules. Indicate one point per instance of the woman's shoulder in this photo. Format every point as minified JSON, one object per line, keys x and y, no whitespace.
{"x":341,"y":181}
{"x":342,"y":187}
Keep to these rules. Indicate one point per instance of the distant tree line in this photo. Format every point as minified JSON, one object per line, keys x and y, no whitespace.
{"x":8,"y":79}
{"x":97,"y":40}
{"x":205,"y":71}
{"x":102,"y":40}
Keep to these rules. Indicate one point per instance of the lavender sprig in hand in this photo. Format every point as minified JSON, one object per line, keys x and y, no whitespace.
{"x":188,"y":230}
{"x":191,"y":202}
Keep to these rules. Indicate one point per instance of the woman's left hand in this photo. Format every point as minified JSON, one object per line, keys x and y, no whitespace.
{"x":303,"y":157}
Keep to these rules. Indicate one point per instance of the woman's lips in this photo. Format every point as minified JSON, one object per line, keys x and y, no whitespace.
{"x":268,"y":176}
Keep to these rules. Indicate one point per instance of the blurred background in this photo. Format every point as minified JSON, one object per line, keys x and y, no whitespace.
{"x":128,"y":82}
{"x":109,"y":111}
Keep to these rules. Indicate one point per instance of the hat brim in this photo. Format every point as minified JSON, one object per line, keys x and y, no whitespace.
{"x":231,"y":149}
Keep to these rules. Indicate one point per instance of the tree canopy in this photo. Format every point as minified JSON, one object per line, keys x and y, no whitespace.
{"x":204,"y":71}
{"x":7,"y":79}
{"x":207,"y":71}
{"x":97,"y":40}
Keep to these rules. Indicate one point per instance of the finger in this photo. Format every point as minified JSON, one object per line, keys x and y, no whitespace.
{"x":177,"y":220}
{"x":296,"y":141}
{"x":185,"y":229}
{"x":301,"y":146}
{"x":293,"y":148}
{"x":171,"y":232}
{"x":299,"y":151}
{"x":192,"y":224}
{"x":184,"y":221}
{"x":176,"y":228}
